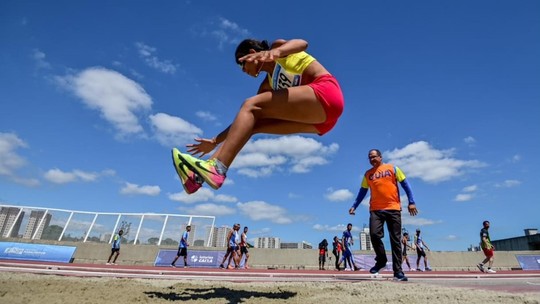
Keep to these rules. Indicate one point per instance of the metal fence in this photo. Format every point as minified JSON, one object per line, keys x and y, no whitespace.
{"x":39,"y":223}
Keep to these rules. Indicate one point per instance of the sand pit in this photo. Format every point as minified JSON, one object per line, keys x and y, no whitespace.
{"x":36,"y":288}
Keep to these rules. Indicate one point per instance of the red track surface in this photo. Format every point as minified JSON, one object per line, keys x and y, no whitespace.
{"x":515,"y":281}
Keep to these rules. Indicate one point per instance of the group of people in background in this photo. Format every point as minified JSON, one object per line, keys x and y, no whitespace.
{"x":382,"y":181}
{"x":237,"y":248}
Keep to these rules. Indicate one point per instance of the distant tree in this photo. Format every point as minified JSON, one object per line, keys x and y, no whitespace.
{"x":153,"y":241}
{"x":169,"y":241}
{"x":52,"y":232}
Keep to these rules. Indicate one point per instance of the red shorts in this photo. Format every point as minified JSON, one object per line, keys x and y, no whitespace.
{"x":329,"y":93}
{"x":488,"y":252}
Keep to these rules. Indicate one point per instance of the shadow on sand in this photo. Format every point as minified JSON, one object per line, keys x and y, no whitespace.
{"x":231,"y":295}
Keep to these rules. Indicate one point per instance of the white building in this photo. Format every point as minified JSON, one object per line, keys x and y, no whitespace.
{"x":267,"y":242}
{"x":365,"y":239}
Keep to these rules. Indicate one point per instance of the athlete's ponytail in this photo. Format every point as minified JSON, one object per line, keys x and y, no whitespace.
{"x":250,"y":44}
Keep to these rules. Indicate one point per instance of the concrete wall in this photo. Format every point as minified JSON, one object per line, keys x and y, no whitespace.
{"x":97,"y":253}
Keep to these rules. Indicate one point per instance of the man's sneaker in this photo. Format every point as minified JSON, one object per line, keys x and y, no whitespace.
{"x":206,"y":169}
{"x":190,"y":181}
{"x":491,"y":271}
{"x":481,"y":267}
{"x":428,"y":269}
{"x":221,"y":266}
{"x":375,"y":269}
{"x":356,"y":268}
{"x":400,"y":277}
{"x":173,"y":266}
{"x":418,"y":269}
{"x":186,"y":266}
{"x":108,"y":263}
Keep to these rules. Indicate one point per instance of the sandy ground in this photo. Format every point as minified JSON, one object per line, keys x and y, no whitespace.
{"x":34,"y":288}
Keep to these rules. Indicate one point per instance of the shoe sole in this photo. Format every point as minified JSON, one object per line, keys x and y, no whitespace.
{"x":401,"y":280}
{"x":197,"y":171}
{"x":179,"y":171}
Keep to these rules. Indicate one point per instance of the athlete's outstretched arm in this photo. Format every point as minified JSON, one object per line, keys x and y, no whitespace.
{"x":280,"y":48}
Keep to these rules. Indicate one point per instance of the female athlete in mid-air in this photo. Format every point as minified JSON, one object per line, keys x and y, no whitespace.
{"x":298,"y":95}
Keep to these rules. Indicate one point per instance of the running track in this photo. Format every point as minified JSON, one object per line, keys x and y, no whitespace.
{"x":515,"y":281}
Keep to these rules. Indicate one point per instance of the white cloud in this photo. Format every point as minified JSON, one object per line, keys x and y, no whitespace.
{"x":420,"y":160}
{"x":509,"y":183}
{"x":202,"y":195}
{"x":209,"y":209}
{"x":207,"y":116}
{"x":451,"y":237}
{"x":259,"y":210}
{"x":415,"y":221}
{"x":516,"y":158}
{"x":171,"y":130}
{"x":115,"y":96}
{"x":9,"y":159}
{"x":471,"y":188}
{"x":296,"y":153}
{"x":134,"y":189}
{"x":58,"y":176}
{"x":469,"y":140}
{"x":339,"y":195}
{"x":337,"y":228}
{"x":228,"y":32}
{"x":39,"y":58}
{"x":147,"y":53}
{"x":463,"y":197}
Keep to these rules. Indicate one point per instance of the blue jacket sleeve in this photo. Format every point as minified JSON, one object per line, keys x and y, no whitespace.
{"x":361,"y":194}
{"x":405,"y":185}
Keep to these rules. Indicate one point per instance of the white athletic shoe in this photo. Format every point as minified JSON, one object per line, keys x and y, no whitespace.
{"x":491,"y":271}
{"x":108,"y":264}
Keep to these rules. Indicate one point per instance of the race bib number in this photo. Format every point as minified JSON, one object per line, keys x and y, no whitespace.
{"x":282,"y":79}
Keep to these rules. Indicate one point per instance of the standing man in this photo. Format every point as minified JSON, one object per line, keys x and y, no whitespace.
{"x":182,"y":247}
{"x":487,"y":247}
{"x":420,"y":252}
{"x":232,"y":247}
{"x":405,"y":246}
{"x":348,"y":241}
{"x":115,"y":247}
{"x":244,"y":248}
{"x":385,"y":206}
{"x":336,"y":250}
{"x":323,"y":253}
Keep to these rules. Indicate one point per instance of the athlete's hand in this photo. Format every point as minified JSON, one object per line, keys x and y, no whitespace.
{"x":262,"y":56}
{"x":351,"y":211}
{"x":412,"y":210}
{"x":203,"y":147}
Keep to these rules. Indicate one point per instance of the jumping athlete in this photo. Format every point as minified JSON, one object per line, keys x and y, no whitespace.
{"x":298,"y":95}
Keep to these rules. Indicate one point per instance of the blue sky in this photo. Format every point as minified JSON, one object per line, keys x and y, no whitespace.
{"x":94,"y":94}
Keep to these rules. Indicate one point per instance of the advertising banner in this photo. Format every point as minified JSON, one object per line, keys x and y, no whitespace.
{"x":529,"y":262}
{"x":36,"y":252}
{"x":195,"y":258}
